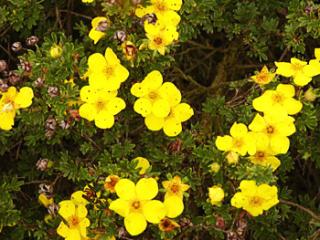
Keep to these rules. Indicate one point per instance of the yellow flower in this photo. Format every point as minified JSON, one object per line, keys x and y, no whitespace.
{"x":216,"y":195}
{"x":160,"y":36}
{"x":56,"y":51}
{"x":263,"y":77}
{"x":240,"y":140}
{"x":100,"y":105}
{"x":11,"y":101}
{"x":300,"y":71}
{"x":174,"y":206}
{"x":175,"y":187}
{"x":264,"y":155}
{"x":76,"y":221}
{"x":44,"y":200}
{"x":135,"y":204}
{"x":276,"y":129}
{"x":142,"y":164}
{"x":160,"y":104}
{"x":129,"y":50}
{"x":110,"y":182}
{"x":279,"y":100}
{"x":87,"y":1}
{"x":78,"y":199}
{"x":99,"y":25}
{"x":232,"y":157}
{"x":168,"y":225}
{"x":255,"y":199}
{"x":160,"y":7}
{"x":215,"y":167}
{"x":106,"y":71}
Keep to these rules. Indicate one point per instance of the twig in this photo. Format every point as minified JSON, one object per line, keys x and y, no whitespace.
{"x":311,"y":213}
{"x":189,"y":78}
{"x":285,"y":52}
{"x":76,"y":14}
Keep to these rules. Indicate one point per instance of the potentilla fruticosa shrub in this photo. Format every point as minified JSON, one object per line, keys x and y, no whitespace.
{"x":160,"y":119}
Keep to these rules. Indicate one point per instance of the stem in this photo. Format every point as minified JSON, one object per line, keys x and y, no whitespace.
{"x":311,"y":213}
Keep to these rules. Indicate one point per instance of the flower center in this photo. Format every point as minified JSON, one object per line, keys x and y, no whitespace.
{"x":297,"y":67}
{"x":262,"y":77}
{"x":238,"y":143}
{"x":270,"y":129}
{"x":161,"y":7}
{"x":109,"y":71}
{"x":100,"y":105}
{"x":136,"y":205}
{"x":153,"y":95}
{"x":73,"y":221}
{"x":158,"y":40}
{"x":260,"y":155}
{"x":255,"y":201}
{"x":277,"y":98}
{"x":175,"y":188}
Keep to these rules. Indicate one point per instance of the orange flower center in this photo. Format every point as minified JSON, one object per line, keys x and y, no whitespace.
{"x":277,"y":98}
{"x":238,"y":143}
{"x":160,"y":6}
{"x":109,"y":71}
{"x":297,"y":67}
{"x":175,"y":188}
{"x":270,"y":129}
{"x":136,"y":205}
{"x":158,"y":40}
{"x":256,"y":201}
{"x":153,"y":95}
{"x":73,"y":222}
{"x":260,"y":155}
{"x":100,"y":105}
{"x":262,"y":77}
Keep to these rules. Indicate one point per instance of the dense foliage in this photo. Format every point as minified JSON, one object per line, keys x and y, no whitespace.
{"x":60,"y":148}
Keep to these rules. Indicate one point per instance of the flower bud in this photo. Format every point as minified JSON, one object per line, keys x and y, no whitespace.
{"x":310,"y":95}
{"x":14,"y":78}
{"x":32,"y":41}
{"x":232,"y":157}
{"x":215,"y":167}
{"x":43,"y":164}
{"x":16,"y":46}
{"x":53,"y":91}
{"x":26,"y":66}
{"x":39,"y":82}
{"x":130,"y":50}
{"x":150,"y":18}
{"x":3,"y":86}
{"x":216,"y":195}
{"x":120,"y":36}
{"x":3,"y":65}
{"x":51,"y":123}
{"x":55,"y":51}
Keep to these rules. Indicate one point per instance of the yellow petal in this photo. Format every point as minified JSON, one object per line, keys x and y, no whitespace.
{"x":279,"y":144}
{"x":111,"y":57}
{"x":81,"y":211}
{"x":224,"y":143}
{"x":153,"y":80}
{"x":171,"y":93}
{"x":95,"y":22}
{"x":142,"y":164}
{"x":284,"y":69}
{"x":104,"y":120}
{"x":120,"y":206}
{"x":67,"y":209}
{"x":138,"y":90}
{"x":97,"y":62}
{"x":153,"y":123}
{"x":7,"y":120}
{"x":135,"y":223}
{"x":161,"y":108}
{"x":142,"y":106}
{"x":63,"y":230}
{"x":258,"y":124}
{"x":146,"y":188}
{"x":24,"y":97}
{"x":182,"y":112}
{"x":44,"y":200}
{"x":87,"y":111}
{"x":77,"y":198}
{"x":96,"y":35}
{"x":286,"y":90}
{"x":154,"y":211}
{"x":116,"y":105}
{"x":238,"y":130}
{"x":301,"y":79}
{"x":122,"y":73}
{"x":237,"y":200}
{"x":174,"y":206}
{"x":172,"y":127}
{"x":174,"y":4}
{"x":125,"y":189}
{"x":74,"y":234}
{"x":292,"y":106}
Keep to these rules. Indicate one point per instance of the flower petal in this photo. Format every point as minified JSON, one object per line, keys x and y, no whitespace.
{"x":154,"y":211}
{"x":120,"y":206}
{"x":146,"y":188}
{"x":125,"y":189}
{"x":67,"y":209}
{"x":153,"y":123}
{"x":174,"y":206}
{"x":135,"y":223}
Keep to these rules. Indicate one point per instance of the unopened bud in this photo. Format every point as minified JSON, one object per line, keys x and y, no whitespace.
{"x":120,"y":36}
{"x":39,"y":82}
{"x":129,"y":49}
{"x":32,"y":41}
{"x":310,"y":95}
{"x":53,"y":91}
{"x":232,"y":157}
{"x":51,"y":123}
{"x":53,"y":209}
{"x":150,"y":18}
{"x":14,"y":78}
{"x":3,"y":86}
{"x":26,"y":66}
{"x":215,"y":167}
{"x":43,"y":164}
{"x":55,"y":51}
{"x":3,"y":65}
{"x":16,"y":46}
